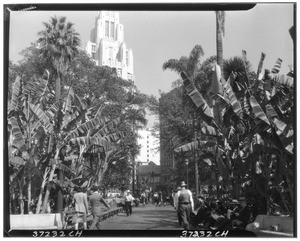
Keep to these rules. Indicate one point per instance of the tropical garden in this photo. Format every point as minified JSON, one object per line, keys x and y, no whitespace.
{"x":69,"y":122}
{"x":231,"y":128}
{"x":72,"y":123}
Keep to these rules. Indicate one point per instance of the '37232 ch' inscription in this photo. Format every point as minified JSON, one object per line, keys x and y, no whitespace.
{"x":203,"y":233}
{"x":53,"y":234}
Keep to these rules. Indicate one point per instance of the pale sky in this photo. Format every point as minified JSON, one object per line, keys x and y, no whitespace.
{"x":157,"y":36}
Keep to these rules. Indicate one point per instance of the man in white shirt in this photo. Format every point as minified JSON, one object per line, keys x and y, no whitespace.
{"x":175,"y":204}
{"x":128,"y":203}
{"x":184,"y":204}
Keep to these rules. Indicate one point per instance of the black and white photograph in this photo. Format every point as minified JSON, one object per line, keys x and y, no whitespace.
{"x":149,"y":120}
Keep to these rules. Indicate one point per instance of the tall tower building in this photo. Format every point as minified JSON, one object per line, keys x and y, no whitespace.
{"x":149,"y":147}
{"x":107,"y":47}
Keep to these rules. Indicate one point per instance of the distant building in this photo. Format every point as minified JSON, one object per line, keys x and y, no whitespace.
{"x":107,"y":47}
{"x":149,"y":147}
{"x":149,"y":174}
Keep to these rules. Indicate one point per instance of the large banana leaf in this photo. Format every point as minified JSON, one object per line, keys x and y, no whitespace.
{"x":64,"y":168}
{"x":67,"y":110}
{"x":36,"y":87}
{"x":16,"y":160}
{"x":260,"y":66}
{"x":283,"y":130}
{"x":277,"y":66}
{"x":18,"y":140}
{"x":106,"y":128}
{"x":16,"y":91}
{"x":84,"y":128}
{"x":42,"y":117}
{"x":195,"y":145}
{"x":87,"y":141}
{"x":209,"y":130}
{"x":53,"y":109}
{"x":257,"y":110}
{"x":114,"y":136}
{"x":198,"y":101}
{"x":282,"y":79}
{"x":232,"y":98}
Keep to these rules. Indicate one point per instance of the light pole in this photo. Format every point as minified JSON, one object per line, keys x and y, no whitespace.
{"x":187,"y":172}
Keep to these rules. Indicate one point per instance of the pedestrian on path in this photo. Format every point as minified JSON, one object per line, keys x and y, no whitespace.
{"x":95,"y":202}
{"x":175,"y":204}
{"x":81,"y":207}
{"x":143,"y":197}
{"x":128,"y":203}
{"x":185,"y":205}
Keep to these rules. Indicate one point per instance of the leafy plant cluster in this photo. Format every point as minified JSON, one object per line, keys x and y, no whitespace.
{"x":57,"y":142}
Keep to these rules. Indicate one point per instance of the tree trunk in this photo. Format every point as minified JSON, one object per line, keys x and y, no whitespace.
{"x":219,"y":36}
{"x":38,"y":207}
{"x":60,"y":200}
{"x":48,"y":185}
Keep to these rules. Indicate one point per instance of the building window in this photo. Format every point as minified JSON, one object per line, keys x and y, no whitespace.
{"x":110,"y":53}
{"x":106,"y":29}
{"x":127,"y":58}
{"x":93,"y":48}
{"x":112,"y":29}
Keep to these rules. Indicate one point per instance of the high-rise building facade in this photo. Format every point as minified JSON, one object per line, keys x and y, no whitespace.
{"x":149,"y":147}
{"x":107,"y":47}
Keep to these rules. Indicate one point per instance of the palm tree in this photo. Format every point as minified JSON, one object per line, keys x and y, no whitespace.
{"x":189,"y":64}
{"x":59,"y":42}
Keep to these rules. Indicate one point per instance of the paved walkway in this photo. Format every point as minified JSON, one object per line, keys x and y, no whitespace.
{"x":146,"y":217}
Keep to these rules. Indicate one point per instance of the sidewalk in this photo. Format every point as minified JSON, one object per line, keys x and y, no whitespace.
{"x":146,"y":217}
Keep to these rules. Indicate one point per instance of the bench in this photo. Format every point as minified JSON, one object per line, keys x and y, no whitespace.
{"x":262,"y":226}
{"x":111,"y":212}
{"x":68,"y":216}
{"x":49,"y":221}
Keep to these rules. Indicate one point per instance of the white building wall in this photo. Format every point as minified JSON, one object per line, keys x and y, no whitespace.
{"x":110,"y":49}
{"x":149,"y":147}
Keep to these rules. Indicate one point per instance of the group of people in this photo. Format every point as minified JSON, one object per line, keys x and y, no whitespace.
{"x":213,"y":214}
{"x":221,"y":215}
{"x":82,"y":203}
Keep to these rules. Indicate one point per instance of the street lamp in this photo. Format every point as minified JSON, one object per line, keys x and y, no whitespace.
{"x":187,"y":172}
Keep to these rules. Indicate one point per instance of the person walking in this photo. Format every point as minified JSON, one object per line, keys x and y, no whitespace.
{"x":81,"y":207}
{"x":128,"y":203}
{"x":185,"y":204}
{"x":175,"y":204}
{"x":95,"y":201}
{"x":143,"y":197}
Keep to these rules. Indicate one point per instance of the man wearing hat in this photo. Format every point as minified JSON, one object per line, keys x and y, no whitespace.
{"x":185,"y":205}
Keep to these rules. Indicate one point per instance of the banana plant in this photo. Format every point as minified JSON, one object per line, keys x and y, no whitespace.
{"x":25,"y":138}
{"x":263,"y":108}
